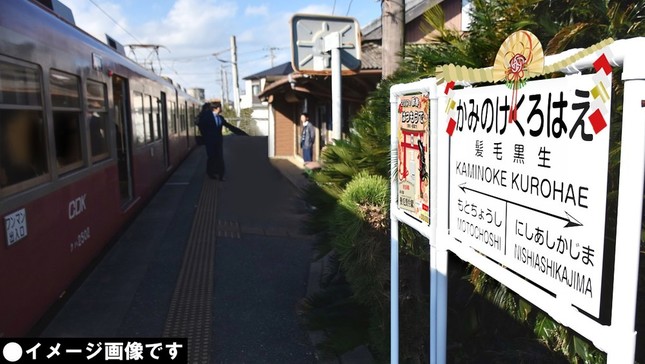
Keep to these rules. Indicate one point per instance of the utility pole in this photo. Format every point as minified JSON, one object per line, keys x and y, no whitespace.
{"x":393,"y":27}
{"x":224,"y":87}
{"x":271,"y":55}
{"x":236,"y":84}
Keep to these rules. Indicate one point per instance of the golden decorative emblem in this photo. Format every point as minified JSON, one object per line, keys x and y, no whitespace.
{"x":519,"y":58}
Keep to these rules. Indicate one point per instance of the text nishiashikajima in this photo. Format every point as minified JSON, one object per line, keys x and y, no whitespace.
{"x":529,"y":189}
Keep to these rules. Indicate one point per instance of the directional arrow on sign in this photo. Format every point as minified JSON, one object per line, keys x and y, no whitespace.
{"x":570,"y":220}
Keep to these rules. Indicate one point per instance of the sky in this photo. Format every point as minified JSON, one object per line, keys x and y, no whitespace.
{"x":191,"y":31}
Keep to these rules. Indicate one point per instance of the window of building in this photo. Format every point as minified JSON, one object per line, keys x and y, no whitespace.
{"x":255,"y":91}
{"x":23,"y":142}
{"x":66,"y":109}
{"x":97,"y":119}
{"x":138,"y":119}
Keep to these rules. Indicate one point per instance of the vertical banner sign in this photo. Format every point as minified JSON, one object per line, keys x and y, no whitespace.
{"x":528,"y":190}
{"x":414,"y":155}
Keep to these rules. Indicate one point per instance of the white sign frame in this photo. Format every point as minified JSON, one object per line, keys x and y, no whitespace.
{"x":617,"y":339}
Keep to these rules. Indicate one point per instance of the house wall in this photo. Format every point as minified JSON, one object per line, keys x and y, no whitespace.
{"x":261,"y":117}
{"x":414,"y":31}
{"x":452,"y":11}
{"x":247,"y":98}
{"x":285,"y":128}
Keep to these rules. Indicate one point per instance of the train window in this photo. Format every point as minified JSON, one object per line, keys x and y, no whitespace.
{"x":172,"y":113}
{"x":192,"y":117}
{"x":19,"y":85}
{"x":23,"y":141}
{"x":157,"y":104}
{"x":66,"y":107}
{"x":151,"y":123}
{"x":97,"y":119}
{"x":138,"y":119}
{"x":182,"y":116}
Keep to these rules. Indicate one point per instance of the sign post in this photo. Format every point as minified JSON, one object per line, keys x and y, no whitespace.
{"x":413,"y":113}
{"x":630,"y":207}
{"x":327,"y":45}
{"x":333,"y":45}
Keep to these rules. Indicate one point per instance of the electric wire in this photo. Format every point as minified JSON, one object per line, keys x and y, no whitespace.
{"x":114,"y":21}
{"x":132,"y":35}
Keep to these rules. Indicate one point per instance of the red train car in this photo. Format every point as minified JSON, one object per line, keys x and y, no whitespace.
{"x":86,"y":137}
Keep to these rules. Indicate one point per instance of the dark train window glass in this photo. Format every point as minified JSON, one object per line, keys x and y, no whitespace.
{"x":68,"y":139}
{"x":157,"y":105}
{"x":19,"y":85}
{"x":151,"y":122}
{"x":67,"y":120}
{"x":172,"y":117}
{"x":138,"y":119}
{"x":23,"y":146}
{"x":97,"y":119}
{"x":96,"y":95}
{"x":190,"y":118}
{"x":195,"y":116}
{"x":64,"y":90}
{"x":182,"y":116}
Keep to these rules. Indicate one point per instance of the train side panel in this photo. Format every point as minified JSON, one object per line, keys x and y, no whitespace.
{"x":57,"y":222}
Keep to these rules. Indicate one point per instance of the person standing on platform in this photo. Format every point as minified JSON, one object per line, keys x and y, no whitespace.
{"x":210,"y":123}
{"x":307,"y":139}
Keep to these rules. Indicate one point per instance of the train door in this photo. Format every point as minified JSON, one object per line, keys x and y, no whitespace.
{"x":123,"y":142}
{"x":164,"y":127}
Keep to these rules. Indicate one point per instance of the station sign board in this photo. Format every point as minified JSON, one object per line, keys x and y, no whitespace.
{"x":528,"y":188}
{"x":310,"y":38}
{"x":414,"y":155}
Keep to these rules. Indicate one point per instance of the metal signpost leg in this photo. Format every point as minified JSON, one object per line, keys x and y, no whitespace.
{"x":394,"y":293}
{"x":442,"y":304}
{"x":630,"y":204}
{"x":332,"y":43}
{"x":433,"y":304}
{"x":394,"y":237}
{"x":336,"y":93}
{"x":438,"y":255}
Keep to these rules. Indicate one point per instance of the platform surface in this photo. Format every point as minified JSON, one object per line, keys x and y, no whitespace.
{"x":222,"y":263}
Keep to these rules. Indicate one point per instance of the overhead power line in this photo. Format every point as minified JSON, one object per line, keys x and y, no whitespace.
{"x":114,"y":21}
{"x":132,"y":35}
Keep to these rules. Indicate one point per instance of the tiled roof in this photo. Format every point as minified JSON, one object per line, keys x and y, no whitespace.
{"x":279,"y":70}
{"x":371,"y":54}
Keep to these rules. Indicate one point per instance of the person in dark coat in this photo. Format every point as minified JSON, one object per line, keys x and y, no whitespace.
{"x":307,"y":138}
{"x":210,"y":124}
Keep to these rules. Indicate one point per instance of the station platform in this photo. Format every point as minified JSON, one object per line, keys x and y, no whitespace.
{"x":221,"y":263}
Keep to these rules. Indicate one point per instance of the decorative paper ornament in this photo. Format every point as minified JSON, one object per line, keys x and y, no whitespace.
{"x":519,"y":58}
